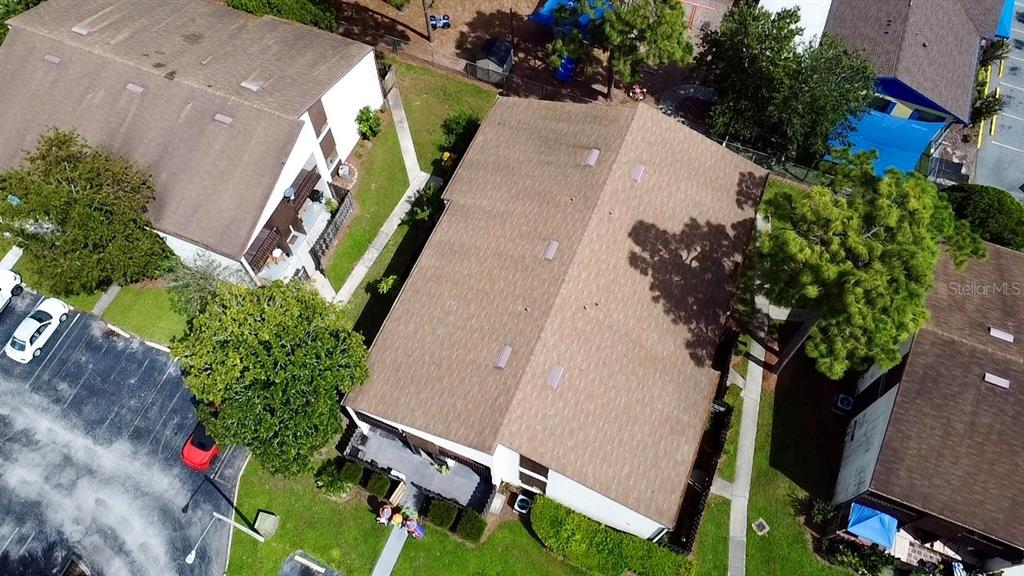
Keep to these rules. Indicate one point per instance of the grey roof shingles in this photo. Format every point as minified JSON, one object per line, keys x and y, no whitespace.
{"x":632,"y":305}
{"x":190,"y":56}
{"x":931,"y":45}
{"x":953,"y":447}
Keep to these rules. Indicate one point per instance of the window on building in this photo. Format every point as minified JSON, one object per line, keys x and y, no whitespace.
{"x":329,"y":148}
{"x":926,"y":116}
{"x":883,"y":105}
{"x":319,"y":118}
{"x":537,"y":468}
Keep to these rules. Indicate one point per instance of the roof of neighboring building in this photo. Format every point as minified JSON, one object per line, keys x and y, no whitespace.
{"x":931,"y":46}
{"x":631,"y":305}
{"x":189,"y":57}
{"x":953,"y":446}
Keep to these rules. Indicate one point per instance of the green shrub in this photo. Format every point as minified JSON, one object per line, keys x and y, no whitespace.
{"x":442,"y":513}
{"x":330,"y":477}
{"x":398,"y":4}
{"x":10,"y":9}
{"x":597,"y":548}
{"x":457,"y":131}
{"x":471,"y":526}
{"x":351,"y":472}
{"x":367,"y":123}
{"x":861,"y":560}
{"x":378,"y":485}
{"x":319,"y":13}
{"x":993,"y":213}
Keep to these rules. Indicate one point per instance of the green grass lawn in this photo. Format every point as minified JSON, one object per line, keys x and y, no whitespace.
{"x":33,"y":277}
{"x":727,"y":463}
{"x":786,"y":549}
{"x":711,"y":551}
{"x":382,"y":183}
{"x":346,"y":535}
{"x":147,"y":312}
{"x":429,"y":96}
{"x":509,"y":551}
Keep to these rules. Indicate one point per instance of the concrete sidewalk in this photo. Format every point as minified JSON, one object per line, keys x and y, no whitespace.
{"x":417,"y":180}
{"x":745,"y":461}
{"x":392,"y":549}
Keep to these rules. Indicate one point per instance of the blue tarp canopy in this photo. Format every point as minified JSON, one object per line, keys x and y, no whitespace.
{"x":872,"y":525}
{"x":546,"y":13}
{"x":1005,"y":20}
{"x":898,"y":141}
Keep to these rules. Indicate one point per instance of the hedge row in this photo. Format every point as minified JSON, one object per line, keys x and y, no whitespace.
{"x":597,"y":548}
{"x":470,"y":525}
{"x":337,"y":475}
{"x":442,"y":513}
{"x":319,"y":13}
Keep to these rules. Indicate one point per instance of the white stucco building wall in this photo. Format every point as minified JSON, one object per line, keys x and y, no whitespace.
{"x":190,"y":253}
{"x":599,"y":507}
{"x":343,"y":101}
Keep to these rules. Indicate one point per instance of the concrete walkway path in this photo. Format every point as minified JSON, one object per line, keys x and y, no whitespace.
{"x":417,"y":180}
{"x":101,"y":305}
{"x":11,"y":258}
{"x":412,"y":164}
{"x":389,"y":555}
{"x":745,"y":461}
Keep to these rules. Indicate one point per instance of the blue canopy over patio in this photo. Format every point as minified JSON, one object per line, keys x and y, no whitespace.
{"x":872,"y":525}
{"x":899,"y":142}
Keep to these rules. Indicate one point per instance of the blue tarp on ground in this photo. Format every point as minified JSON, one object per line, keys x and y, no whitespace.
{"x":900,"y":142}
{"x":546,"y":13}
{"x":872,"y":525}
{"x":1005,"y":20}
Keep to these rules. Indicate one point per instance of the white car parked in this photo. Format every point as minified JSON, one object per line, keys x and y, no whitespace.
{"x":10,"y":286}
{"x":32,"y":334}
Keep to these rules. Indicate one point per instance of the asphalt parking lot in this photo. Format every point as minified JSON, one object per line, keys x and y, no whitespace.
{"x":90,"y":440}
{"x":999,"y":159}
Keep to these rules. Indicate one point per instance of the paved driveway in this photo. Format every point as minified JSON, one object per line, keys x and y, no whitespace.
{"x":1001,"y":158}
{"x":90,"y":434}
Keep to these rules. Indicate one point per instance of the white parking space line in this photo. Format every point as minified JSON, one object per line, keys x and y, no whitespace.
{"x":1008,"y":85}
{"x":53,"y":349}
{"x":160,"y":423}
{"x":1018,"y":58}
{"x":25,"y":545}
{"x":8,"y":543}
{"x":1007,"y":146}
{"x":179,"y":440}
{"x":223,"y":461}
{"x":1011,"y":116}
{"x":151,"y":396}
{"x":80,"y":382}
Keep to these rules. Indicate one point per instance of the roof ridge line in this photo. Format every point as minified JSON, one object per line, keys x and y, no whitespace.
{"x":903,"y":33}
{"x":974,"y":345}
{"x":120,"y":60}
{"x":545,"y":323}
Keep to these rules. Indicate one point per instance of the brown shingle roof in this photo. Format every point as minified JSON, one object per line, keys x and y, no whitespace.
{"x":931,"y":46}
{"x":203,"y":170}
{"x":632,"y":305}
{"x":953,"y":446}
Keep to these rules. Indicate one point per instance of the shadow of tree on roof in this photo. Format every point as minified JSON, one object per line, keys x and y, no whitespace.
{"x":691,"y":275}
{"x":749,"y":188}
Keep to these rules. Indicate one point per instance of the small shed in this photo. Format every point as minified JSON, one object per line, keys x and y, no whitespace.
{"x":495,"y":61}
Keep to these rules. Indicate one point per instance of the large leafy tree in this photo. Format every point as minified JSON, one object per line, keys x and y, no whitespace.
{"x":644,"y":33}
{"x":635,"y":34}
{"x":860,"y":257}
{"x":10,"y":9}
{"x":268,"y":366}
{"x":775,"y":94}
{"x":80,"y":215}
{"x":993,"y":213}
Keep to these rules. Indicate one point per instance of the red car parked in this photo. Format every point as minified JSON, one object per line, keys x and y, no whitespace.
{"x":199,"y":450}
